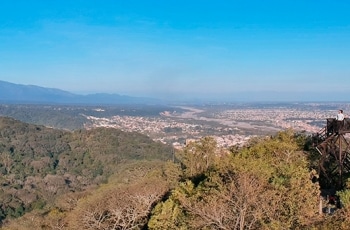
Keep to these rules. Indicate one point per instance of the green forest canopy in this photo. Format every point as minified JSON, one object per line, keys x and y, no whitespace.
{"x":108,"y":179}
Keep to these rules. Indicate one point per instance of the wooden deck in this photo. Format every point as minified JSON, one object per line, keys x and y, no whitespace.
{"x":339,"y":127}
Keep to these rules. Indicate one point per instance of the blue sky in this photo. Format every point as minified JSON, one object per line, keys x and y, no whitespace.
{"x":178,"y":49}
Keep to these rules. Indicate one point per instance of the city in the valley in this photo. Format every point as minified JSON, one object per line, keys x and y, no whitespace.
{"x":230,"y":125}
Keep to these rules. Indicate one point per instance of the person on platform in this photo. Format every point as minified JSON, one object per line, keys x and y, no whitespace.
{"x":340,"y":120}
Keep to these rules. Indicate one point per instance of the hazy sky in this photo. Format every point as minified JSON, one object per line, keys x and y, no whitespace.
{"x":177,"y":48}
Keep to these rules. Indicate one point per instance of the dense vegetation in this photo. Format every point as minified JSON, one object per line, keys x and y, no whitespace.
{"x":88,"y":180}
{"x":37,"y":164}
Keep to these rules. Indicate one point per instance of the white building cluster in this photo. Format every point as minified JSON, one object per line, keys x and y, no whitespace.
{"x":229,"y":127}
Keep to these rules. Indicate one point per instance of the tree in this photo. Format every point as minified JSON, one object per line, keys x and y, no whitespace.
{"x":6,"y":161}
{"x":197,"y":157}
{"x":119,"y":207}
{"x":168,"y":215}
{"x":265,"y":185}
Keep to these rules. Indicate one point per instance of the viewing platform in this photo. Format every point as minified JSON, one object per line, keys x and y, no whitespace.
{"x":330,"y":142}
{"x":335,"y":127}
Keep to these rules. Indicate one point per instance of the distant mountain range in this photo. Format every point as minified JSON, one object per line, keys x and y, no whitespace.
{"x":17,"y":93}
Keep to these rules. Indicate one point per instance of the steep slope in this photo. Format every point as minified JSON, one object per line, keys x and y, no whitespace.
{"x":38,"y":163}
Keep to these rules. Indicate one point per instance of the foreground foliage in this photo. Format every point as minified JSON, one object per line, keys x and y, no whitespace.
{"x":264,"y":185}
{"x":38,"y":164}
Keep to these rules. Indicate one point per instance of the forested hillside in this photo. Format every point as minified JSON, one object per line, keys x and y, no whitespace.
{"x":73,"y":117}
{"x":87,"y":180}
{"x":37,"y":164}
